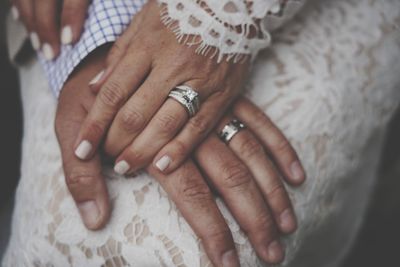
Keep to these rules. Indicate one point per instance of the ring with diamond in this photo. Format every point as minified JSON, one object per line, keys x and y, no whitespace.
{"x":230,"y":130}
{"x":187,"y":97}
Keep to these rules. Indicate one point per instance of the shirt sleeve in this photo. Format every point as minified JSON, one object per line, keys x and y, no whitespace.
{"x":106,"y":20}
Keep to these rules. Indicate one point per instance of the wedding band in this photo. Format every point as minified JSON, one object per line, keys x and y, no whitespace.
{"x":187,"y":97}
{"x":230,"y":130}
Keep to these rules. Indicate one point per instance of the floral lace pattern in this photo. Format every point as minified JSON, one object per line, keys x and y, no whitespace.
{"x":230,"y":29}
{"x":331,"y":84}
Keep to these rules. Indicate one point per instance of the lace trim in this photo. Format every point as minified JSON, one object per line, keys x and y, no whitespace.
{"x":230,"y":29}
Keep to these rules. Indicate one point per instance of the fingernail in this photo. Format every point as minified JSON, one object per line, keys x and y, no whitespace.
{"x":83,"y":150}
{"x":48,"y":51}
{"x":297,"y":171}
{"x":66,"y":35}
{"x":163,"y":163}
{"x":35,"y":41}
{"x":15,"y":13}
{"x":230,"y":259}
{"x":122,"y":167}
{"x":287,"y":221}
{"x":90,"y":213}
{"x":275,"y":252}
{"x":96,"y":78}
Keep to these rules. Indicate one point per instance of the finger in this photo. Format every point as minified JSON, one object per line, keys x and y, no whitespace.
{"x":117,"y":52}
{"x":46,"y":26}
{"x":197,"y":128}
{"x":26,"y":11}
{"x":83,"y":178}
{"x":161,"y":129}
{"x":121,"y":84}
{"x":133,"y":117}
{"x":72,"y":19}
{"x":247,"y":148}
{"x":239,"y":191}
{"x":192,"y":196}
{"x":272,"y":138}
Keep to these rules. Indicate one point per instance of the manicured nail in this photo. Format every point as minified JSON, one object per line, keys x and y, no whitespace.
{"x":230,"y":259}
{"x":96,"y":78}
{"x":83,"y":150}
{"x":35,"y":41}
{"x":163,"y":163}
{"x":297,"y":171}
{"x":90,"y":213}
{"x":275,"y":252}
{"x":15,"y":13}
{"x":48,"y":51}
{"x":66,"y":35}
{"x":122,"y":167}
{"x":287,"y":221}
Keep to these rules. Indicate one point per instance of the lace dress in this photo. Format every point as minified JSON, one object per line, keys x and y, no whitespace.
{"x":330,"y":81}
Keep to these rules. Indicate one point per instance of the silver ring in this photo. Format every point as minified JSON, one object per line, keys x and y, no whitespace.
{"x":187,"y":97}
{"x":230,"y":130}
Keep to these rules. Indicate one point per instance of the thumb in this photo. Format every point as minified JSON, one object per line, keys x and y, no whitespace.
{"x":83,"y":178}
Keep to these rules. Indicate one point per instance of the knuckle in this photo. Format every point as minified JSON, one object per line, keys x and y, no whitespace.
{"x":179,"y":149}
{"x":251,"y":148}
{"x":261,"y":120}
{"x":215,"y":235}
{"x":199,"y":125}
{"x":263,"y":224}
{"x":132,"y":120}
{"x":167,"y":123}
{"x":236,"y":176}
{"x":78,"y":179}
{"x":95,"y":129}
{"x":276,"y":191}
{"x":282,"y":146}
{"x":194,"y":190}
{"x":112,"y":94}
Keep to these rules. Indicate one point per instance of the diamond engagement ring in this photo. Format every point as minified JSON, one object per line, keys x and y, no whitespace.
{"x":230,"y":130}
{"x":187,"y":97}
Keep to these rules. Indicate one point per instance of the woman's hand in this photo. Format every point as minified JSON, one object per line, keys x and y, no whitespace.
{"x":133,"y":114}
{"x":44,"y":25}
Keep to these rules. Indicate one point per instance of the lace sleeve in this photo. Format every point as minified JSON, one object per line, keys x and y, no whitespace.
{"x":230,"y":29}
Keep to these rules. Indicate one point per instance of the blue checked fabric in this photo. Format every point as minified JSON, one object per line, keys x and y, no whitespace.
{"x":105,"y":22}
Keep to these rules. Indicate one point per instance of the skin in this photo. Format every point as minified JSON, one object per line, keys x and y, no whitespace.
{"x":41,"y":17}
{"x":241,"y":172}
{"x":116,"y":110}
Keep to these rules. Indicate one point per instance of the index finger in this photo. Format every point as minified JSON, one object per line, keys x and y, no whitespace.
{"x":191,"y":194}
{"x":72,"y":20}
{"x":84,"y":179}
{"x":124,"y":80}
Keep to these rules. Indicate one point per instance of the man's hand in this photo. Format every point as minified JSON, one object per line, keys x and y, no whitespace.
{"x":241,"y":172}
{"x":83,"y":178}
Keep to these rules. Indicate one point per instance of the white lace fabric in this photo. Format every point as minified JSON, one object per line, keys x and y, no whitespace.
{"x":330,"y":82}
{"x":230,"y":29}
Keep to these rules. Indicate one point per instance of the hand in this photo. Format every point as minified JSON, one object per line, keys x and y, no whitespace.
{"x":132,"y":113}
{"x":43,"y":23}
{"x":240,"y":172}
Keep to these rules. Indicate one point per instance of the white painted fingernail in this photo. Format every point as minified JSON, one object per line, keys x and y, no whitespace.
{"x":163,"y":163}
{"x":297,"y":171}
{"x":90,"y":213}
{"x":96,"y":78}
{"x":15,"y":13}
{"x":35,"y":41}
{"x":66,"y":35}
{"x":48,"y":51}
{"x":83,"y":150}
{"x":121,"y":167}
